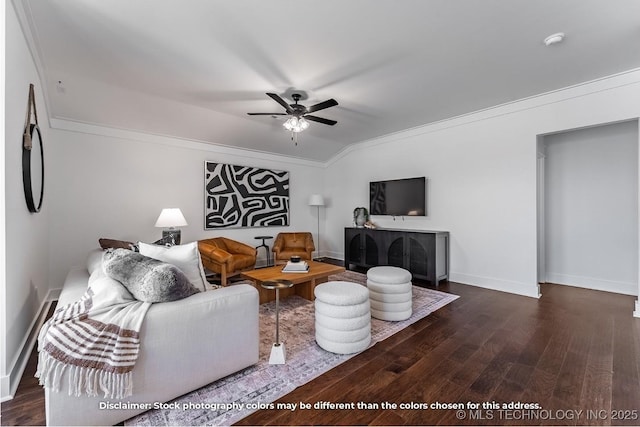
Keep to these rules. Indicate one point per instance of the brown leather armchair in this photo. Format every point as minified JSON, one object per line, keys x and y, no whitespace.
{"x":226,"y":257}
{"x":288,"y":244}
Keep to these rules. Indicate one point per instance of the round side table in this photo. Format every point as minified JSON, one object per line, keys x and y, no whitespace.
{"x":265,"y":246}
{"x":277,"y":351}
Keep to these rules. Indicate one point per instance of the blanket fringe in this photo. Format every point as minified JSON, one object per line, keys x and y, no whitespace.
{"x":81,"y":379}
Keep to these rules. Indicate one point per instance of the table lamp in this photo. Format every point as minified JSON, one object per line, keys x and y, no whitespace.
{"x":169,"y":219}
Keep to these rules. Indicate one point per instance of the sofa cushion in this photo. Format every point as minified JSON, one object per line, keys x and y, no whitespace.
{"x":185,"y":257}
{"x":148,"y":279}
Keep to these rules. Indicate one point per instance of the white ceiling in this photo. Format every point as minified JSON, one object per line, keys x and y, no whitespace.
{"x":192,"y":69}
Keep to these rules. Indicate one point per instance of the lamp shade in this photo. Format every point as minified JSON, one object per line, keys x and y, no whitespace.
{"x":316,"y":200}
{"x":171,"y":217}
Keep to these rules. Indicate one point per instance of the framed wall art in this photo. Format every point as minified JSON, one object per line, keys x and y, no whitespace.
{"x":244,"y":196}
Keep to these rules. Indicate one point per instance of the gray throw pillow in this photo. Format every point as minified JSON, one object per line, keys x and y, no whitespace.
{"x":147,"y":279}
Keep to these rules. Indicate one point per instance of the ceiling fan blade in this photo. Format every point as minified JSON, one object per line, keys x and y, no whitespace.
{"x":281,"y":101}
{"x":321,"y":106}
{"x":320,"y":120}
{"x":267,"y":114}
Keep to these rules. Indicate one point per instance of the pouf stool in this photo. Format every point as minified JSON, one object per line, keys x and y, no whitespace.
{"x":390,"y":293}
{"x":343,"y":317}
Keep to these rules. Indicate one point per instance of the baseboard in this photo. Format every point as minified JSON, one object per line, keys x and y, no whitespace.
{"x":9,"y":384}
{"x":637,"y":312}
{"x":525,"y":289}
{"x":5,"y":389}
{"x":529,"y":290}
{"x":626,"y":288}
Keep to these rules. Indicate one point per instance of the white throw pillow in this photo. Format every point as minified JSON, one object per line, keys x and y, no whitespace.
{"x":94,"y":260}
{"x":185,"y":257}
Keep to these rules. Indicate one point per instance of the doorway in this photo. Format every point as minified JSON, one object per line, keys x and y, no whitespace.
{"x":588,"y":208}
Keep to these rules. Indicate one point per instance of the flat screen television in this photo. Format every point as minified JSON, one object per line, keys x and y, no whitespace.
{"x":398,"y":197}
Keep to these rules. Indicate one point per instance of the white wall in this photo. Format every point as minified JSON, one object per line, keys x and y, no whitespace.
{"x":24,"y":284}
{"x":591,"y":205}
{"x":482,"y":177}
{"x":115,"y":186}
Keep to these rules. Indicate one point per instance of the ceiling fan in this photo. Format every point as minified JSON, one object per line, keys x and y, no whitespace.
{"x":299,"y":113}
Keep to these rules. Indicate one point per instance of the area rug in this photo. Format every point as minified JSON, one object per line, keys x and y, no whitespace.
{"x":243,"y":392}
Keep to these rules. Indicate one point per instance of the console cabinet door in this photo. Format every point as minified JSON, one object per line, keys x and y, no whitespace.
{"x":371,"y":248}
{"x":394,"y":243}
{"x":352,"y":247}
{"x":420,"y":255}
{"x":424,"y":253}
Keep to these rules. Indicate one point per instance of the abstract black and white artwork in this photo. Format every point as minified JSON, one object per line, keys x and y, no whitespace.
{"x":243,"y":196}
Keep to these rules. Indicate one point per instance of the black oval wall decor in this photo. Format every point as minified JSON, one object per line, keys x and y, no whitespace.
{"x":32,"y":167}
{"x":28,"y":173}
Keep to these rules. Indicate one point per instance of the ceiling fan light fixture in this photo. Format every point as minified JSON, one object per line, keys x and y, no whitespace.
{"x":296,"y":124}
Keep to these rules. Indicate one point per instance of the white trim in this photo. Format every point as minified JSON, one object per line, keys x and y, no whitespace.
{"x":625,"y":78}
{"x":4,"y":379}
{"x":26,"y":24}
{"x":625,"y":288}
{"x":540,"y":209}
{"x":5,"y":389}
{"x":518,"y":288}
{"x":11,"y":381}
{"x":636,"y":313}
{"x":174,"y":141}
{"x":531,"y":290}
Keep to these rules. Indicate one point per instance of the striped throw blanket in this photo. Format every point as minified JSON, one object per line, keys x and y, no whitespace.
{"x":94,"y":342}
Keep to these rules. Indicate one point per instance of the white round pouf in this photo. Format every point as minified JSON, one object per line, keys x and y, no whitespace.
{"x":390,"y":293}
{"x":343,"y":317}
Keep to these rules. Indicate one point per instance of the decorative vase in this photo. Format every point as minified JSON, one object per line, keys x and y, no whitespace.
{"x":361,"y":218}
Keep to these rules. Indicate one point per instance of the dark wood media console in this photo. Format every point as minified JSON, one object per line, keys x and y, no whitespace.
{"x":424,"y":253}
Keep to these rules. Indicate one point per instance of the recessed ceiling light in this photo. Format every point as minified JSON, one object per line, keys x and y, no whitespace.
{"x":554,"y":39}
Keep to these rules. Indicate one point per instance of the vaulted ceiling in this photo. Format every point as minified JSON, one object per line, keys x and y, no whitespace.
{"x":193,"y":69}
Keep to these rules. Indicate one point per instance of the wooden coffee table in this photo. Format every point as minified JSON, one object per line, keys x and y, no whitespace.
{"x":303,"y":283}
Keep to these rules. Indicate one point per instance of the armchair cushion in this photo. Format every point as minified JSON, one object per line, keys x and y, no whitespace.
{"x":219,"y":255}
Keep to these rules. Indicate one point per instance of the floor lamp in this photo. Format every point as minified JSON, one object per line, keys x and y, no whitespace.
{"x":317,"y":200}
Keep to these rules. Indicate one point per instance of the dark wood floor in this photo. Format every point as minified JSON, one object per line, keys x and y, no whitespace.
{"x":572,"y":350}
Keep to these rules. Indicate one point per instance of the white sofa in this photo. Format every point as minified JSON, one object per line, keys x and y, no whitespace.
{"x":185,"y":345}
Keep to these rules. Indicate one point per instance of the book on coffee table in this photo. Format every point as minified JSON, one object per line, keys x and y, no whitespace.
{"x":296,"y":267}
